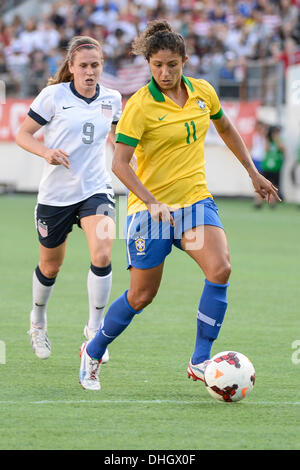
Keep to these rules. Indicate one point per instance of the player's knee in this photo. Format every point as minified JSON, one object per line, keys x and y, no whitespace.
{"x":140,"y":299}
{"x":220,"y":274}
{"x":50,"y":270}
{"x":101,"y":260}
{"x":223,"y":273}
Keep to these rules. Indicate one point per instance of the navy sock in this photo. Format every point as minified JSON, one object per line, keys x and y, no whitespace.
{"x":212,"y":309}
{"x":117,"y":318}
{"x":46,"y":281}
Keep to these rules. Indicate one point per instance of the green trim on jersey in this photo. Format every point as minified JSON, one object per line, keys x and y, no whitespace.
{"x":188,"y":83}
{"x":125,"y":139}
{"x":158,"y":95}
{"x":218,"y":115}
{"x":155,"y":92}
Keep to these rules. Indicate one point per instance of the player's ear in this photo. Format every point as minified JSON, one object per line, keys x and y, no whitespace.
{"x":185,"y":60}
{"x":70,"y":66}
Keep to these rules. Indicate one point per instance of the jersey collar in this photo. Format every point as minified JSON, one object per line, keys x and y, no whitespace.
{"x":158,"y":95}
{"x":87,"y":100}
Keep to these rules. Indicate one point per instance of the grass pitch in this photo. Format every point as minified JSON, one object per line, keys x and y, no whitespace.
{"x":146,"y":401}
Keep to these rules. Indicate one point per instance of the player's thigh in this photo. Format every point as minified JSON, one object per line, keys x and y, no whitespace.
{"x":100,"y":234}
{"x":51,"y":259}
{"x":144,"y":285}
{"x":208,"y":246}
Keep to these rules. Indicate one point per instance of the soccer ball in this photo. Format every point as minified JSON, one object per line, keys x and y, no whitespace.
{"x":229,"y":376}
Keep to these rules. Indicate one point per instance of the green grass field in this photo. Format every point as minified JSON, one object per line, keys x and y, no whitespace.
{"x":146,"y":401}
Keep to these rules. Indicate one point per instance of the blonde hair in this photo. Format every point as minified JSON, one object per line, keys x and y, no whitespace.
{"x":63,"y":74}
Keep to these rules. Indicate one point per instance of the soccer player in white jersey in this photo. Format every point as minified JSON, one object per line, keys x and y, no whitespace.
{"x":78,"y":115}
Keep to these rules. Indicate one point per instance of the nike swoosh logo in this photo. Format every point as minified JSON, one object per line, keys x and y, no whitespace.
{"x":67,"y":107}
{"x":163,"y":117}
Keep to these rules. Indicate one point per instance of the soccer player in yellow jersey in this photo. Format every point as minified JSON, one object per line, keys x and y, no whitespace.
{"x":164,"y":124}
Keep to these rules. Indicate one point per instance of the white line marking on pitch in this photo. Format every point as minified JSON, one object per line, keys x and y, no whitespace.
{"x":143,"y":402}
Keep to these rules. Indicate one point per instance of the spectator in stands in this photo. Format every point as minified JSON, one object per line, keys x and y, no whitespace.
{"x":17,"y":64}
{"x":5,"y":75}
{"x":47,"y":36}
{"x":218,"y":13}
{"x":38,"y":72}
{"x":288,"y":13}
{"x":273,"y":160}
{"x":106,"y":13}
{"x":29,"y":37}
{"x":245,"y":8}
{"x":227,"y":72}
{"x":259,"y":31}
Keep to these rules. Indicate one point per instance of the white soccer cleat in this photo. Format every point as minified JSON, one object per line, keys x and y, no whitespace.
{"x":196,"y":371}
{"x":89,"y":370}
{"x":40,"y":342}
{"x":90,"y":333}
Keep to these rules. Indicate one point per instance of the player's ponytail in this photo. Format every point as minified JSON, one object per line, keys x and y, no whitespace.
{"x":157,"y":36}
{"x":63,"y":74}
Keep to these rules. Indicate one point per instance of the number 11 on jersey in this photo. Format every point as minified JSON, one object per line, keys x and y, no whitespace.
{"x":190,"y":127}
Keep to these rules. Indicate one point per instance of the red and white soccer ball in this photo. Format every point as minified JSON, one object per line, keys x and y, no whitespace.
{"x":230,"y":376}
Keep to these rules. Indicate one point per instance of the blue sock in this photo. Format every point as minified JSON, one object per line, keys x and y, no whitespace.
{"x":117,"y":318}
{"x":212,"y":308}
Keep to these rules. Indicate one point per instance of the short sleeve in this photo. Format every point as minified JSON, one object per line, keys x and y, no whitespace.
{"x":42,"y":108}
{"x":216,"y":111}
{"x":131,"y":125}
{"x":118,"y":109}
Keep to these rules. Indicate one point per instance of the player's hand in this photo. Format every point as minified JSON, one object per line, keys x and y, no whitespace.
{"x":265,"y":188}
{"x":161,"y":212}
{"x":57,"y":157}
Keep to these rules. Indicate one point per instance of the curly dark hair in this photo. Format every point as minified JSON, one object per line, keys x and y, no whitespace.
{"x":158,"y":36}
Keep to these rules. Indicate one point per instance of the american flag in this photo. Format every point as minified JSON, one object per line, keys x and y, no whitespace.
{"x":106,"y":110}
{"x":128,"y":79}
{"x":42,"y":228}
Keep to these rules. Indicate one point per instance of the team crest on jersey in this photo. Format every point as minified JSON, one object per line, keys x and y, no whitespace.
{"x":140,"y":245}
{"x":201,"y":105}
{"x":42,"y":228}
{"x":106,"y":109}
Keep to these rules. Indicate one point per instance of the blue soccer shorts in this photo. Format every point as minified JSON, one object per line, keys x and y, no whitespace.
{"x":54,"y":223}
{"x":149,"y":242}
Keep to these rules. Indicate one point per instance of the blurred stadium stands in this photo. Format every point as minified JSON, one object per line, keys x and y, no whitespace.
{"x":242,"y":47}
{"x":248,"y":50}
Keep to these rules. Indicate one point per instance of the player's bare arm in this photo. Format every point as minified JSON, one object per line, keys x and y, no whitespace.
{"x":112,"y":135}
{"x":122,"y":169}
{"x":25,"y":138}
{"x":235,"y":143}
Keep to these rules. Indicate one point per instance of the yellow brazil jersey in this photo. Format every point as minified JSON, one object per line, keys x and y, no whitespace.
{"x":169,"y":142}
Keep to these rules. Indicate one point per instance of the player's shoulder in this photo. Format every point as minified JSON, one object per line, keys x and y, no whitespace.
{"x":199,"y":84}
{"x":111,"y":93}
{"x":55,"y":89}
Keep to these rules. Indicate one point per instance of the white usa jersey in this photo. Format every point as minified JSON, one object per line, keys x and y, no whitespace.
{"x":79,"y":126}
